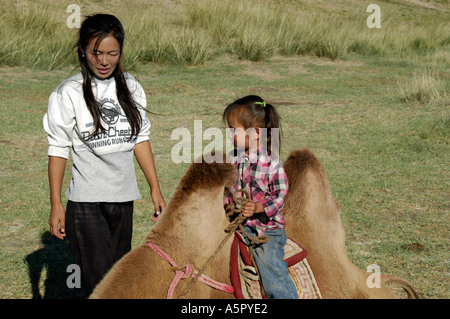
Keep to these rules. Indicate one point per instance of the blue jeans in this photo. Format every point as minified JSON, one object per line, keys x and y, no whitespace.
{"x":275,"y":277}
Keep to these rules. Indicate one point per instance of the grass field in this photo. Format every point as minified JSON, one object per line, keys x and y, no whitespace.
{"x":372,"y":104}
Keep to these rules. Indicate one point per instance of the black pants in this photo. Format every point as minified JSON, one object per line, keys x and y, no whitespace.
{"x":99,"y":234}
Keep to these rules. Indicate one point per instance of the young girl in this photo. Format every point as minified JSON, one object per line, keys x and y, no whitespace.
{"x":261,"y":174}
{"x":99,"y":114}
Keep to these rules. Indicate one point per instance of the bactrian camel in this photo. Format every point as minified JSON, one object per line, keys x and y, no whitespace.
{"x":191,"y":228}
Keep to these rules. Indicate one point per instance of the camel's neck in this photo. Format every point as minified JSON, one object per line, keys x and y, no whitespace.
{"x":193,"y":228}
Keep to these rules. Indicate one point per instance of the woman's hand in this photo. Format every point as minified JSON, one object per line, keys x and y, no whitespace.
{"x":158,"y":202}
{"x":56,"y":167}
{"x":57,"y":221}
{"x":144,"y":156}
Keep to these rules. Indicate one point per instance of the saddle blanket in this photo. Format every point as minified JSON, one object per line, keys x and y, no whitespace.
{"x":244,"y":276}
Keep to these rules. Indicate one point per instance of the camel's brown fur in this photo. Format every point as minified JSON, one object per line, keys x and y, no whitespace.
{"x":192,"y":227}
{"x":313,"y":220}
{"x":189,"y":231}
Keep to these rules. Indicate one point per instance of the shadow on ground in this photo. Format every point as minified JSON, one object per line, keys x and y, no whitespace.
{"x":54,"y":257}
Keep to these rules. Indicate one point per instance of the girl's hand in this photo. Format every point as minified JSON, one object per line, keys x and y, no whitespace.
{"x":57,"y":221}
{"x":252,"y":208}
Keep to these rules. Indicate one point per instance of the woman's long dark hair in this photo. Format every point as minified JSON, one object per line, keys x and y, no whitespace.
{"x":100,"y":26}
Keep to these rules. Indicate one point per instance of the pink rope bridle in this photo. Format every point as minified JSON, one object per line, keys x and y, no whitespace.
{"x":186,"y":272}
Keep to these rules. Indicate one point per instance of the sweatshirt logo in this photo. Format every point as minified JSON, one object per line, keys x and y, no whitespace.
{"x":110,"y":111}
{"x":118,"y":130}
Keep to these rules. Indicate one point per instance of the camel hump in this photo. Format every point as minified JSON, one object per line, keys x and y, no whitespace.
{"x":303,"y":158}
{"x":300,"y":161}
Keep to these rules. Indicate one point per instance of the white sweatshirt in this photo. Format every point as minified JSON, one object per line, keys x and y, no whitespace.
{"x":103,"y":165}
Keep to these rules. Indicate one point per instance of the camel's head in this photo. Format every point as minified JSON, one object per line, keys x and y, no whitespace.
{"x":207,"y":175}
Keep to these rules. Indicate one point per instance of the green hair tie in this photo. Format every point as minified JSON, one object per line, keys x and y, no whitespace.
{"x":261,"y":103}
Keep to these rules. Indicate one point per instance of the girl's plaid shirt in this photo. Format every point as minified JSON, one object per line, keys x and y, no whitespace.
{"x":266,"y":182}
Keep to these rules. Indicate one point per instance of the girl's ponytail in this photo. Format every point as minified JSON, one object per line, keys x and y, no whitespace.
{"x":273,"y":125}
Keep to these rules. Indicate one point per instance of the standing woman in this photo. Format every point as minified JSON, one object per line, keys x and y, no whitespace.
{"x":100,"y":114}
